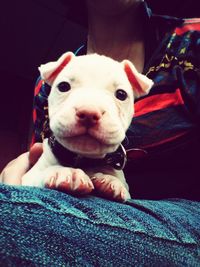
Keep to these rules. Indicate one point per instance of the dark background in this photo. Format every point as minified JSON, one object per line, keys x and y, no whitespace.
{"x":34,"y":32}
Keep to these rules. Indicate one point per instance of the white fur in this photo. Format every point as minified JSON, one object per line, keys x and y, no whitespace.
{"x":94,"y":80}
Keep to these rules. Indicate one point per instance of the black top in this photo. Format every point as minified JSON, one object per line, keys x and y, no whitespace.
{"x":166,"y":122}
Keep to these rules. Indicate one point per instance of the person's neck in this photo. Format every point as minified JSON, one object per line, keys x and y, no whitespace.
{"x":119,"y":37}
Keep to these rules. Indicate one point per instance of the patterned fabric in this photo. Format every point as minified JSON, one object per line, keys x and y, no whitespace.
{"x":165,"y":121}
{"x":171,"y":109}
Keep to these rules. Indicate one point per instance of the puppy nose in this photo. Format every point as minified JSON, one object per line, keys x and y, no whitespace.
{"x":88,"y":117}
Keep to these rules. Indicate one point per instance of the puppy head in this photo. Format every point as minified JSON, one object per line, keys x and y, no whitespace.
{"x":91,"y":103}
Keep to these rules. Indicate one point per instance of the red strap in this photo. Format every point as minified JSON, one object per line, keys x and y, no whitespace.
{"x":38,"y":87}
{"x":187,"y":28}
{"x":158,"y":102}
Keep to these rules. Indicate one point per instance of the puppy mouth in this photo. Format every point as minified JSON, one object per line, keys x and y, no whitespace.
{"x":86,"y":137}
{"x":89,"y":134}
{"x":87,"y":145}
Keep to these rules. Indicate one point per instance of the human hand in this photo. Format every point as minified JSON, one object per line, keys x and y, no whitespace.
{"x":15,"y":169}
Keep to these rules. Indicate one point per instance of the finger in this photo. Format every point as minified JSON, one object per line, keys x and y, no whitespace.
{"x":35,"y":152}
{"x":14,"y":170}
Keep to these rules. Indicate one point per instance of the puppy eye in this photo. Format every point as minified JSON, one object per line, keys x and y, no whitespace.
{"x":64,"y":86}
{"x":121,"y":94}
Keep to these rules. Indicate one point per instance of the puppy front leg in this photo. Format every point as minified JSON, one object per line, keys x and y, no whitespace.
{"x":111,"y":183}
{"x":66,"y":179}
{"x":34,"y":176}
{"x":47,"y":172}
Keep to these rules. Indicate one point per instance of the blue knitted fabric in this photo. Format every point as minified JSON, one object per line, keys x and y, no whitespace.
{"x":43,"y":227}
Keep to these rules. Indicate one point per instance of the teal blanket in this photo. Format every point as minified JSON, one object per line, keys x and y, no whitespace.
{"x":43,"y":227}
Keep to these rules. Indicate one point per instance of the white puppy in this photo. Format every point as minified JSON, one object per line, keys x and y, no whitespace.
{"x":91,"y":105}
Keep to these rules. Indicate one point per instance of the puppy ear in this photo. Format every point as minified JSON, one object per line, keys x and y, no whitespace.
{"x":141,"y":84}
{"x":50,"y":71}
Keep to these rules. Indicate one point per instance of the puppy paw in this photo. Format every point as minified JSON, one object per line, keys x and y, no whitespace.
{"x":69,"y":180}
{"x":28,"y":179}
{"x":110,"y":187}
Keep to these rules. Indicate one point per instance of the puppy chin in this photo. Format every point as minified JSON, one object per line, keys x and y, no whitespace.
{"x":87,"y":145}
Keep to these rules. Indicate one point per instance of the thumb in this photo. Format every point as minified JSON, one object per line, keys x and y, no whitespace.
{"x":35,"y":152}
{"x":15,"y":169}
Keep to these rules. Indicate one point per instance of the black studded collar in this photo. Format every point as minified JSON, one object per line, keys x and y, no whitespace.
{"x":117,"y":159}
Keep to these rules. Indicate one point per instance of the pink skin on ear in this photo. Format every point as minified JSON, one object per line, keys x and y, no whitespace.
{"x":60,"y":67}
{"x":133,"y":80}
